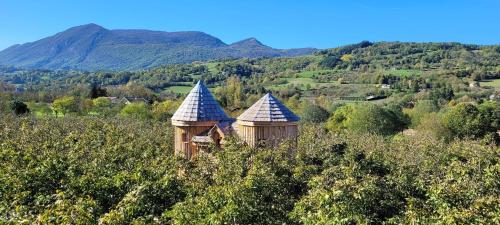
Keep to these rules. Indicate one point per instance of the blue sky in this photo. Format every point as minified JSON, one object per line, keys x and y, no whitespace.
{"x":281,"y":24}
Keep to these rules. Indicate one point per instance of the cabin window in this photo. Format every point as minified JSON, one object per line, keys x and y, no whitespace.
{"x":184,"y":137}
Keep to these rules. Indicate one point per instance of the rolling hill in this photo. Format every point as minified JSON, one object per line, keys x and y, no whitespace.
{"x":92,"y":47}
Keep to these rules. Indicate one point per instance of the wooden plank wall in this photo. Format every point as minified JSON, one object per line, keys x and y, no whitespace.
{"x":183,"y":147}
{"x":273,"y":134}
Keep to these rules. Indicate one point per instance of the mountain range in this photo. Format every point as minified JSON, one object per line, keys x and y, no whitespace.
{"x":92,"y":47}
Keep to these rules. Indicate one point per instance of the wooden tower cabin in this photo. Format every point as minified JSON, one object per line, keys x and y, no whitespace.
{"x":267,"y":122}
{"x":199,"y":122}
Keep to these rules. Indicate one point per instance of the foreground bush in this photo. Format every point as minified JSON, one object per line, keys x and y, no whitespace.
{"x":119,"y":171}
{"x":47,"y":165}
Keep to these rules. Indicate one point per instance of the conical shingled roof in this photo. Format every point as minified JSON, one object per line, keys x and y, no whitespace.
{"x":268,"y":109}
{"x":200,"y":105}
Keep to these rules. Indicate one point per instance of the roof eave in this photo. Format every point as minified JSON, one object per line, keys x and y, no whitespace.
{"x":181,"y":123}
{"x":267,"y":123}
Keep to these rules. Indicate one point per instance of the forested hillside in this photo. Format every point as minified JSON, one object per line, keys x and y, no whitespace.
{"x":355,"y":71}
{"x":390,"y":133}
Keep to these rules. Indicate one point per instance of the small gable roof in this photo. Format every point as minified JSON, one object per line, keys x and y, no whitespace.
{"x":268,"y":109}
{"x":202,"y":139}
{"x":134,"y":100}
{"x":200,"y":105}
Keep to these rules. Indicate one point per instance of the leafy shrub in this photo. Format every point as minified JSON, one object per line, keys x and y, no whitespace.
{"x":365,"y":118}
{"x":137,"y":111}
{"x":65,"y":105}
{"x":420,"y":110}
{"x":315,"y":114}
{"x":465,"y":120}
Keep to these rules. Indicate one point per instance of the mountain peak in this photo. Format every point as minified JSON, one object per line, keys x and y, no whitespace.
{"x":249,"y":42}
{"x":253,"y":41}
{"x":90,"y":26}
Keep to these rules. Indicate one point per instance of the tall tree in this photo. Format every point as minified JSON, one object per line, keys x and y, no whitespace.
{"x":97,"y":91}
{"x":19,"y":108}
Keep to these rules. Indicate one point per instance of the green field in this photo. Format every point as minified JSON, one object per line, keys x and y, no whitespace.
{"x":404,"y":73}
{"x":310,"y":74}
{"x":302,"y":79}
{"x":212,"y":67}
{"x":491,"y":83}
{"x":178,"y":89}
{"x":183,"y":89}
